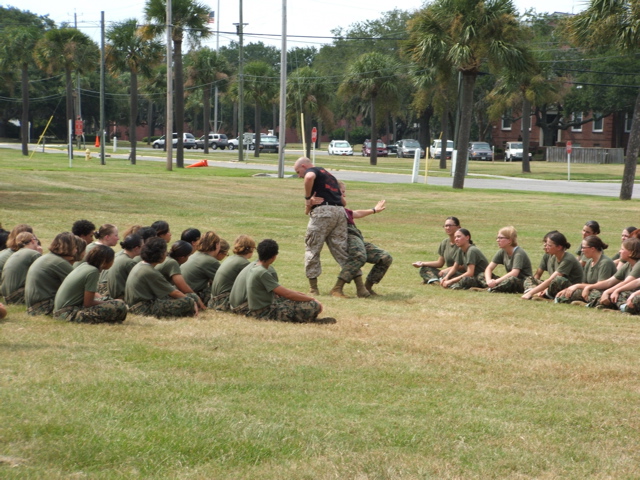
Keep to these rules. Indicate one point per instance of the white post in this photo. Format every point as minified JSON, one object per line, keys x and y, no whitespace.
{"x":416,"y":166}
{"x":313,"y":155}
{"x":115,"y":143}
{"x":568,"y":167}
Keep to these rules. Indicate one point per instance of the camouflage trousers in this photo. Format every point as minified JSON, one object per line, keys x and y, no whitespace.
{"x":16,"y":297}
{"x":510,"y":285}
{"x":205,"y":294}
{"x":429,"y":274}
{"x":41,"y":308}
{"x":167,"y":307}
{"x":327,"y":223}
{"x":103,"y":289}
{"x":361,"y":252}
{"x":111,"y":311}
{"x":285,"y":310}
{"x":242,"y":309}
{"x":634,"y":309}
{"x":556,"y":286}
{"x":466,"y":283}
{"x":594,"y":296}
{"x":219,"y":302}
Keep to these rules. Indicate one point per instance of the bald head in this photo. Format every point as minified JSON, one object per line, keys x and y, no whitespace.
{"x":302,"y":165}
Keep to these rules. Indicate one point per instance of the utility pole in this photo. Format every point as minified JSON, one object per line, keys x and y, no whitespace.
{"x":78,"y":103}
{"x":102,"y":122}
{"x":240,"y":27}
{"x":168,"y":136}
{"x":283,"y":91}
{"x":215,"y":103}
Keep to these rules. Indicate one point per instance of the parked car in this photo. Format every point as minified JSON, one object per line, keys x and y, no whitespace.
{"x":188,"y":141}
{"x":480,"y":151}
{"x":436,"y":147}
{"x":269,"y":143}
{"x":408,"y":147}
{"x":340,"y":147}
{"x":392,"y":148}
{"x":247,"y":141}
{"x":514,"y":151}
{"x":216,"y":140}
{"x":382,"y":149}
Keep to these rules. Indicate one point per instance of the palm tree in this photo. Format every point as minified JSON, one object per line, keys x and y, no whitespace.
{"x":66,"y":49}
{"x":15,"y":41}
{"x":129,"y":52}
{"x":260,"y":87}
{"x":188,"y":18}
{"x":371,"y":76}
{"x":465,"y":34}
{"x":308,"y":92}
{"x":205,"y":67}
{"x":614,"y":23}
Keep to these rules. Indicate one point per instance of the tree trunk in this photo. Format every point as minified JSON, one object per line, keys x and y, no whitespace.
{"x":631,"y":160}
{"x":133,"y":116}
{"x":307,"y":131}
{"x":24,"y":123}
{"x":69,"y":102}
{"x":526,"y":134}
{"x":150,"y":122}
{"x":256,"y":144}
{"x":319,"y":141}
{"x":206,"y":116}
{"x":373,"y":159}
{"x":468,"y":82}
{"x":234,"y":121}
{"x":444,"y":136}
{"x":179,"y":102}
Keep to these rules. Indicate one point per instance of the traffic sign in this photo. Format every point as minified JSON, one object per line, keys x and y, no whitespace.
{"x":79,"y":127}
{"x":314,"y":134}
{"x":569,"y":147}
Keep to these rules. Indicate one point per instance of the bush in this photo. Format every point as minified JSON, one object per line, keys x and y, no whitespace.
{"x":358,"y":135}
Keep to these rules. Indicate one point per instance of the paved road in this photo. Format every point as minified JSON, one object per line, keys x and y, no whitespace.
{"x":472,"y":181}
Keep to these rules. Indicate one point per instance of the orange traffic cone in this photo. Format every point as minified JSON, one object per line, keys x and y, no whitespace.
{"x":97,"y":141}
{"x":201,"y":163}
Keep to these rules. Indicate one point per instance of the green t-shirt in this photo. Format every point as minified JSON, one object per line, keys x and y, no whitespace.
{"x":569,"y":267}
{"x":473,"y":256}
{"x":84,"y":278}
{"x":169,"y":268}
{"x":4,"y":255}
{"x":518,"y":261}
{"x":118,"y":273}
{"x":200,"y":270}
{"x":44,"y":278}
{"x":238,"y":293}
{"x":628,"y":270}
{"x":448,"y":251}
{"x":146,"y":283}
{"x":603,"y":270}
{"x":260,"y":286}
{"x":544,"y":262}
{"x":88,"y":248}
{"x":15,"y":270}
{"x":227,"y":273}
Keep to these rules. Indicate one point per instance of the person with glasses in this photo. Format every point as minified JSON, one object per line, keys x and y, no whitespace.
{"x":516,"y":263}
{"x":469,"y":260}
{"x":432,"y":272}
{"x":599,"y":267}
{"x":14,"y":274}
{"x":565,"y":269}
{"x":201,"y":267}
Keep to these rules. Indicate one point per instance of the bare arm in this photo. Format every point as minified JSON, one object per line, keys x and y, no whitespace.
{"x":182,"y":285}
{"x":370,"y":211}
{"x":434,"y":264}
{"x":292,"y":294}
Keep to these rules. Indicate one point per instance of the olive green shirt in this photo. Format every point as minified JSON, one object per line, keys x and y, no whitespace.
{"x":44,"y":278}
{"x":200,"y":270}
{"x":518,"y":261}
{"x":603,"y":270}
{"x":84,"y":278}
{"x":227,"y":273}
{"x":569,"y":267}
{"x":260,"y":287}
{"x":118,"y":273}
{"x":145,"y":283}
{"x":169,"y":268}
{"x":14,"y":274}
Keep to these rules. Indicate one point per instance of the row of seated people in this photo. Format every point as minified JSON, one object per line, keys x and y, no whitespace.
{"x":588,"y":278}
{"x":95,"y":285}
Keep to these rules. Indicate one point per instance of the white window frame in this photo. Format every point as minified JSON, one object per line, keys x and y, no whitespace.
{"x":595,"y":129}
{"x":506,"y":121}
{"x":628,"y":120}
{"x":576,"y":116}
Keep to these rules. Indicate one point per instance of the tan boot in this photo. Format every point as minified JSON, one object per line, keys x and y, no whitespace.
{"x":361,"y":289}
{"x":313,"y":284}
{"x":336,"y":291}
{"x":369,"y":286}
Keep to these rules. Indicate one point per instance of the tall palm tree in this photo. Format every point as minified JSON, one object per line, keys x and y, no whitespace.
{"x":371,"y":76}
{"x":466,"y":34}
{"x":129,"y":52}
{"x":188,"y":18}
{"x":261,"y":86}
{"x":14,"y":42}
{"x":614,"y":23}
{"x":66,"y":50}
{"x":205,"y":67}
{"x":308,"y":92}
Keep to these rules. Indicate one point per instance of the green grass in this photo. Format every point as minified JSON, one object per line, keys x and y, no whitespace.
{"x":419,"y":383}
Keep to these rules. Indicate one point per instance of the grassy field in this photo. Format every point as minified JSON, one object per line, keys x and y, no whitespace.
{"x":417,"y":383}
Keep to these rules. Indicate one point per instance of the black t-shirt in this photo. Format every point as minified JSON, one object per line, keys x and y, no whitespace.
{"x":326,"y":186}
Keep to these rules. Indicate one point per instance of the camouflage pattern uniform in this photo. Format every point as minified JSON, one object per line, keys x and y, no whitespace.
{"x":41,"y":308}
{"x":285,"y":310}
{"x":242,"y":309}
{"x":220,"y":302}
{"x":111,"y":311}
{"x":205,"y":294}
{"x":446,"y":250}
{"x":167,"y":307}
{"x":361,"y":252}
{"x":15,"y":298}
{"x":510,"y":285}
{"x":466,"y":283}
{"x":327,"y":223}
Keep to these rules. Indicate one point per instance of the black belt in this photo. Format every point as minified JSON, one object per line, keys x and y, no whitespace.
{"x":326,"y":203}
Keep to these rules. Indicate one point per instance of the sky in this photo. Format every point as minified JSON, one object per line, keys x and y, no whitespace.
{"x":305,"y":18}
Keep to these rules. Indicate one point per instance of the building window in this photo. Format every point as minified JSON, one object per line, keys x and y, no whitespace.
{"x":506,"y":121}
{"x":628,"y":119}
{"x":598,"y":122}
{"x":576,"y":117}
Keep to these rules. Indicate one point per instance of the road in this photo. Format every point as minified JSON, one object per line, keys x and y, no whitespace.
{"x":472,"y":181}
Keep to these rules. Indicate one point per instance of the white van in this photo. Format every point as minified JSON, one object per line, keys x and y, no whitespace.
{"x":436,"y":147}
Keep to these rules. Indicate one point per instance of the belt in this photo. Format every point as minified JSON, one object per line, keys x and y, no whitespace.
{"x":325,"y":203}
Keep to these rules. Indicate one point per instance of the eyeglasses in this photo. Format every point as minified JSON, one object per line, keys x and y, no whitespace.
{"x":549,"y":245}
{"x":449,"y":225}
{"x":501,"y":238}
{"x":586,"y":246}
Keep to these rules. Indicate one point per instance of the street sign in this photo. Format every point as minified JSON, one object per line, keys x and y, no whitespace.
{"x":79,"y":127}
{"x":314,"y":134}
{"x":569,"y":147}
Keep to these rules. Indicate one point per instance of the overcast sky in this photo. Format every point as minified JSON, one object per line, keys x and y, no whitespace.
{"x":311,"y":18}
